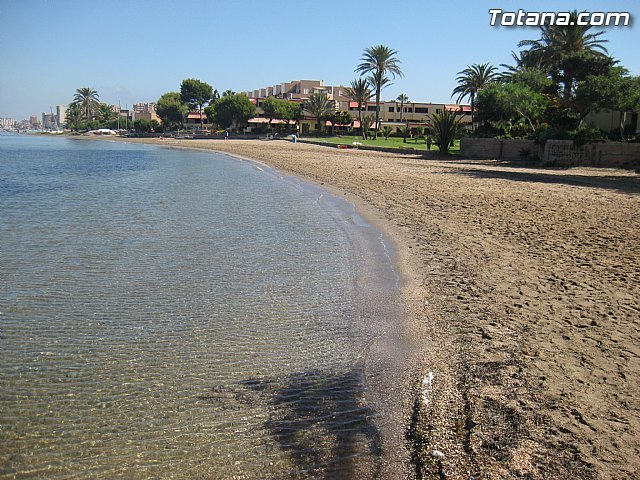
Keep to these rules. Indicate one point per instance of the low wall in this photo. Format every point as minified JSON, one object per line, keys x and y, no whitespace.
{"x":561,"y":153}
{"x":480,"y":147}
{"x":513,"y":149}
{"x":615,"y":154}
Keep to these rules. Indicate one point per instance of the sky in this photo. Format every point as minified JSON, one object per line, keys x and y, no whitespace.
{"x":136,"y":50}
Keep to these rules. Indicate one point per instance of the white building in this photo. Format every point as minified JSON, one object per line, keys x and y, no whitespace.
{"x":61,"y":115}
{"x":7,"y":122}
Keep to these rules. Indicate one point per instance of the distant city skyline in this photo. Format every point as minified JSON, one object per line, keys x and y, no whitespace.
{"x":133,"y":52}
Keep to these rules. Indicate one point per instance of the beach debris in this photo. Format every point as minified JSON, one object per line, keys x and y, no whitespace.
{"x":427,"y":382}
{"x":437,"y":454}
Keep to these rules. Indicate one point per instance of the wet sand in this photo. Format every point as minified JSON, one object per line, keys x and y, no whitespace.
{"x":522,"y":290}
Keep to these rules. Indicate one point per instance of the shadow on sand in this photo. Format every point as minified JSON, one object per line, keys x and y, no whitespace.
{"x":551,"y":175}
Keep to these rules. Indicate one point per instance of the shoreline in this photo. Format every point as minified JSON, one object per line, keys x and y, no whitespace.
{"x":521,"y":288}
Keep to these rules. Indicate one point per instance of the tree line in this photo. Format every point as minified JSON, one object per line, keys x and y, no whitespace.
{"x":556,"y":81}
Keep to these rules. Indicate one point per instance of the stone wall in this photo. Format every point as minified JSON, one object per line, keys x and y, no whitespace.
{"x":561,"y":153}
{"x":615,"y":154}
{"x":513,"y":149}
{"x":480,"y":147}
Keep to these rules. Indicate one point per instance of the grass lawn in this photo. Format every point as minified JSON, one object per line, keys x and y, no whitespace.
{"x":393,"y":142}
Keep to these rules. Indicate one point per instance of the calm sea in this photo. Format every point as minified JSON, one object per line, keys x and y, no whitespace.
{"x":179,"y":314}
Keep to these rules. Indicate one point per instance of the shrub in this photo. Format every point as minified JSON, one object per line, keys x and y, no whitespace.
{"x":446,"y":128}
{"x":547,"y":132}
{"x":584,"y":135}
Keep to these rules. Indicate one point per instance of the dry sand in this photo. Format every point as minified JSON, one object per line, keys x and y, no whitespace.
{"x":523,"y":298}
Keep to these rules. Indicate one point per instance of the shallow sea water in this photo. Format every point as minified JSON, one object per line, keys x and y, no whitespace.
{"x":180,"y":314}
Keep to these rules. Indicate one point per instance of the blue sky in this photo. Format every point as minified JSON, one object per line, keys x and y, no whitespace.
{"x":136,"y":50}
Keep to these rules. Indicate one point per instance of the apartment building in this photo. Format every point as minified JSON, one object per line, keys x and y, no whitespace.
{"x":7,"y":122}
{"x":146,"y":111}
{"x":412,"y":114}
{"x":392,"y":113}
{"x":299,"y":90}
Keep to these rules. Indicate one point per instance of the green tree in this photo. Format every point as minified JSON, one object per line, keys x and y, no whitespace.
{"x":446,"y":127}
{"x":142,"y":126}
{"x":319,"y":106}
{"x":74,"y":117}
{"x":360,"y":92}
{"x":507,"y":103}
{"x":339,"y":118}
{"x":105,"y":114}
{"x":471,"y":80}
{"x":171,"y":110}
{"x":197,"y":94}
{"x":615,"y":90}
{"x":231,"y":110}
{"x":379,"y":61}
{"x":279,"y":109}
{"x":563,"y":49}
{"x":87,"y":100}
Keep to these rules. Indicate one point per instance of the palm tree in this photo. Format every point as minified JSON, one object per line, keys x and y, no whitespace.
{"x":558,"y":44}
{"x":320,"y":107}
{"x":379,"y":61}
{"x":74,"y":117}
{"x":473,"y":79}
{"x":402,"y":98}
{"x":360,"y":92}
{"x":446,"y":126}
{"x":105,"y":114}
{"x":523,"y":61}
{"x":87,"y":99}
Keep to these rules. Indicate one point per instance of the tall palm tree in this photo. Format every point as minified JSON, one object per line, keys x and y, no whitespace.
{"x":320,"y":107}
{"x":360,"y":92}
{"x":379,"y":61}
{"x":402,"y":98}
{"x":87,"y":99}
{"x":473,"y":79}
{"x":558,"y":43}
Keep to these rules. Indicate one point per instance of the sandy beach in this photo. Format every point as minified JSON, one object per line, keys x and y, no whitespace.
{"x":522,"y":292}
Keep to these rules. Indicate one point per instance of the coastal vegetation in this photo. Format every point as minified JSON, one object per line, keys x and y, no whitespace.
{"x":556,"y":82}
{"x":231,"y":110}
{"x":320,"y":107}
{"x":280,"y":109}
{"x":86,"y":99}
{"x":360,"y":93}
{"x":197,"y":95}
{"x":471,"y":80}
{"x":171,"y":110}
{"x":379,"y":61}
{"x":553,"y":86}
